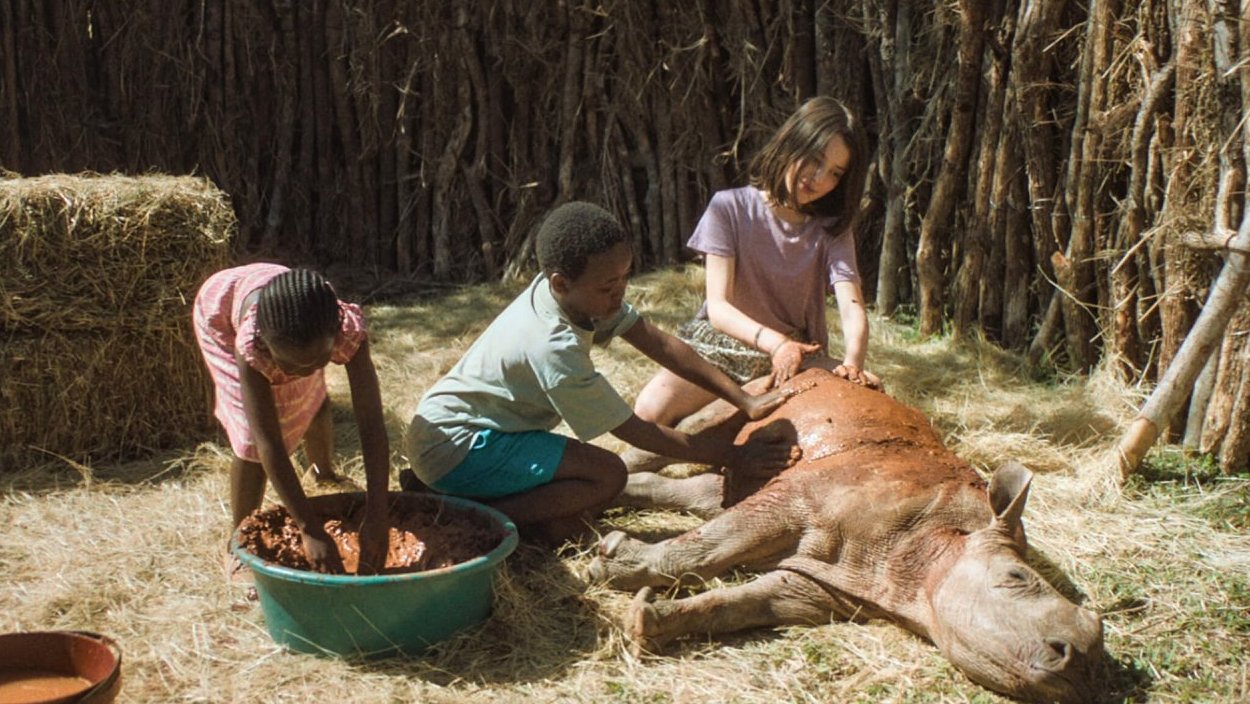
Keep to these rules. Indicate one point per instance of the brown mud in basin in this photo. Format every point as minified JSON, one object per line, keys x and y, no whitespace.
{"x":425,"y":533}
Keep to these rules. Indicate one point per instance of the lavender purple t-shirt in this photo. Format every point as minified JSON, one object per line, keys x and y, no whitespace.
{"x":782,"y":272}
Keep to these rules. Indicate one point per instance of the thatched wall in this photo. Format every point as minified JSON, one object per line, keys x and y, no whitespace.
{"x":96,"y":347}
{"x":1038,"y":162}
{"x":417,"y":137}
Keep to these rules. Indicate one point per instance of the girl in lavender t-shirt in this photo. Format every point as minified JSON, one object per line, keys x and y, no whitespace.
{"x":774,"y":249}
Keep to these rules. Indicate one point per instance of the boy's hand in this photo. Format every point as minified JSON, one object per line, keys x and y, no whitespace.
{"x":374,"y":542}
{"x":323,"y":554}
{"x":788,"y":357}
{"x":850,"y":372}
{"x":757,"y":407}
{"x":763,"y":456}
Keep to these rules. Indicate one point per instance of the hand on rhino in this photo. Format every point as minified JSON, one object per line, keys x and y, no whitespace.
{"x":788,"y":359}
{"x":761,"y":405}
{"x":763,"y":456}
{"x":863,"y":377}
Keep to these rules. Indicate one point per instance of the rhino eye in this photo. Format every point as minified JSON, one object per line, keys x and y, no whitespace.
{"x":1015,"y":578}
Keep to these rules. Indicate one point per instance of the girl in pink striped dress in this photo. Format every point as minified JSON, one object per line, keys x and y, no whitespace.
{"x":267,"y":333}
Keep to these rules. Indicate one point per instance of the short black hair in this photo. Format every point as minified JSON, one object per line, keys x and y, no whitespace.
{"x":574,"y":232}
{"x":297,"y":307}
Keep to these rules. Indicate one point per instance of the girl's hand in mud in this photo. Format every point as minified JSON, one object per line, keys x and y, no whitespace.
{"x":323,"y":554}
{"x":374,"y":542}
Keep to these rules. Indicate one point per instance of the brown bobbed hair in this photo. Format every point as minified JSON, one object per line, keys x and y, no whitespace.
{"x":802,"y":138}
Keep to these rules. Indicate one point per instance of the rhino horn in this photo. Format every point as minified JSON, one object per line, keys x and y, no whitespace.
{"x":1009,"y":491}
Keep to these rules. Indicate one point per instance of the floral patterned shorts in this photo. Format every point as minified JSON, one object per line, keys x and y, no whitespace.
{"x":740,"y":361}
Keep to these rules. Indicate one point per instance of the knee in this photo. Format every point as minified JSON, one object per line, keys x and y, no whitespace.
{"x":657,"y":408}
{"x":616,"y":474}
{"x":655,"y":401}
{"x":648,"y":406}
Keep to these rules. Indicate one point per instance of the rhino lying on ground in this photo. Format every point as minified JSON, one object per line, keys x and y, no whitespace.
{"x":877,"y":520}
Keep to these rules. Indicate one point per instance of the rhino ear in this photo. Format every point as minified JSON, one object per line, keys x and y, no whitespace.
{"x":1009,"y":491}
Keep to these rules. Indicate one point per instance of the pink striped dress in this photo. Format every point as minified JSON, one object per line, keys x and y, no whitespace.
{"x":222,"y":326}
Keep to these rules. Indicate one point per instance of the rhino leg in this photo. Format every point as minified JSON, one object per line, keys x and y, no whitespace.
{"x":701,"y":494}
{"x":639,"y":461}
{"x":740,"y":538}
{"x":777,"y":598}
{"x":718,"y":419}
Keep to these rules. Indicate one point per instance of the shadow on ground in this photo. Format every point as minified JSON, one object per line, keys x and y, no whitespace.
{"x":542,"y":625}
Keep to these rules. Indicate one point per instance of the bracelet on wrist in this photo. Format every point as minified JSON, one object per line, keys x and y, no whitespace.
{"x":756,"y":342}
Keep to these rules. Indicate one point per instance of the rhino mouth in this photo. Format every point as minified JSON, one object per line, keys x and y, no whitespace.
{"x":1053,"y":670}
{"x":1061,"y":671}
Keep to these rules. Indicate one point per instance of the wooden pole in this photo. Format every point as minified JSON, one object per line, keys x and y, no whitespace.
{"x":933,"y":242}
{"x":1227,"y":293}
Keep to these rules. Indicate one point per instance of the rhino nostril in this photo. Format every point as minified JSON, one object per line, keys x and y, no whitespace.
{"x":1058,"y":653}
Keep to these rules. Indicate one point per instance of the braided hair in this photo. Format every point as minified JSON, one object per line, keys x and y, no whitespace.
{"x":297,"y":307}
{"x":574,"y":232}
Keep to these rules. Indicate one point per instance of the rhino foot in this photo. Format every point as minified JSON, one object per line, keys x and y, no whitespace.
{"x":597,"y":572}
{"x":610,"y":542}
{"x":622,"y":564}
{"x":600,"y":571}
{"x":641,"y":624}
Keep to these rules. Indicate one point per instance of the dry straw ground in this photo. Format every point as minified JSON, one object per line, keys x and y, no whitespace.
{"x":134,"y":551}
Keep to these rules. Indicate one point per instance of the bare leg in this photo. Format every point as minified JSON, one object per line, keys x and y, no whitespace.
{"x":668,"y":398}
{"x":585,"y":483}
{"x":247,"y":488}
{"x":319,"y":447}
{"x":778,"y":598}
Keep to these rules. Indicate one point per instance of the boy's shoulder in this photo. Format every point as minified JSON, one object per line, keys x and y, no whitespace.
{"x":530,"y":322}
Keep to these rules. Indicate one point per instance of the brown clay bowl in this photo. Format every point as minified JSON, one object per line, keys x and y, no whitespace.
{"x":55,"y":667}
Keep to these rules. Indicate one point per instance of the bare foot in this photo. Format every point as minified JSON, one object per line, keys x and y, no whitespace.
{"x":237,"y":574}
{"x":329,"y":479}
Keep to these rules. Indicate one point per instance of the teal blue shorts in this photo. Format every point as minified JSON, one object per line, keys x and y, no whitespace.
{"x":499,"y":464}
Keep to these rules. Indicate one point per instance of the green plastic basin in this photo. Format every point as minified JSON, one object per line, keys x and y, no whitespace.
{"x":379,"y":615}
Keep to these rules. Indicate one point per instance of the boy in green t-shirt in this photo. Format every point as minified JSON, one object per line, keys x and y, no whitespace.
{"x":483,"y":430}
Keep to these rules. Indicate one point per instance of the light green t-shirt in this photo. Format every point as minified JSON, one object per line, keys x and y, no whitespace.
{"x":528,"y":370}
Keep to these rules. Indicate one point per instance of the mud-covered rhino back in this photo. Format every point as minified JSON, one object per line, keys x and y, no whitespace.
{"x":852,"y":435}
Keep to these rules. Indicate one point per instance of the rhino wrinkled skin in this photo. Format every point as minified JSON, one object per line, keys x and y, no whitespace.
{"x":877,"y":520}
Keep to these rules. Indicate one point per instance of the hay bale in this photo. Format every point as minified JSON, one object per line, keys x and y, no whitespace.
{"x":91,"y":252}
{"x":95,"y":324}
